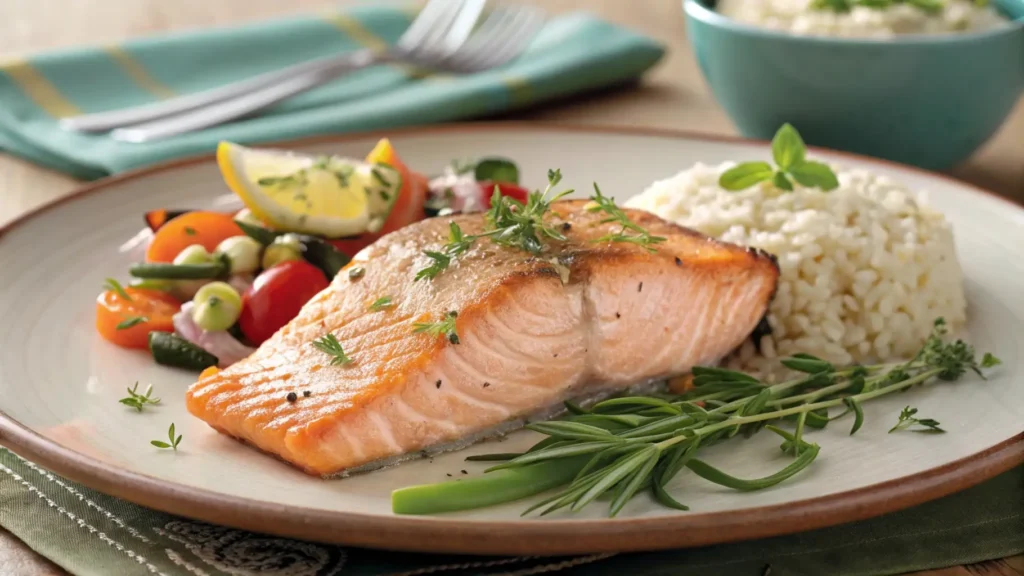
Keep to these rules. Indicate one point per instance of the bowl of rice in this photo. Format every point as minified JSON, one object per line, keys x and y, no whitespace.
{"x":920,"y":86}
{"x":865,"y":267}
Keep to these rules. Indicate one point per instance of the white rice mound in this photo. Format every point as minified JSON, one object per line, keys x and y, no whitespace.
{"x":798,"y":17}
{"x":865,"y":269}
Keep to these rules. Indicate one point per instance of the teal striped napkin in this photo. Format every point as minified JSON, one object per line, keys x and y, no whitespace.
{"x":573,"y":53}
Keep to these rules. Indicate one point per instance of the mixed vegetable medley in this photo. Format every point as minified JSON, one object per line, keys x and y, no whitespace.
{"x":214,"y":285}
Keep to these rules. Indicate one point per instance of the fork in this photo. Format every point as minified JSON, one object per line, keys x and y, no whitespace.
{"x":443,"y":38}
{"x":449,"y":20}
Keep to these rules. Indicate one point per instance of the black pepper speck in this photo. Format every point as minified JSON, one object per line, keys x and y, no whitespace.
{"x":292,"y":397}
{"x":640,"y":287}
{"x":486,"y":384}
{"x":679,"y":261}
{"x":447,"y":474}
{"x":463,"y":471}
{"x":437,"y":384}
{"x":306,"y":393}
{"x":617,"y":315}
{"x":566,"y":227}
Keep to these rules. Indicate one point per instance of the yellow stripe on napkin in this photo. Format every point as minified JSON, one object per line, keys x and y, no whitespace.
{"x":355,"y":30}
{"x":39,"y":89}
{"x":137,"y":73}
{"x":519,"y":90}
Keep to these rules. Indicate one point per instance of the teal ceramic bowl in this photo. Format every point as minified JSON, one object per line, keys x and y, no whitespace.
{"x":930,"y":101}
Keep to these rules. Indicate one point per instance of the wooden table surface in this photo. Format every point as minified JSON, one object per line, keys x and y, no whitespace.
{"x":673,"y":95}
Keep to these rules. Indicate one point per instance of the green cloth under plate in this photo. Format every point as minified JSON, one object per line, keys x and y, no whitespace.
{"x":90,"y":534}
{"x":573,"y":53}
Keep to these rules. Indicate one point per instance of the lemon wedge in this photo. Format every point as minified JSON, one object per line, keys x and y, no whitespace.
{"x":326,"y":196}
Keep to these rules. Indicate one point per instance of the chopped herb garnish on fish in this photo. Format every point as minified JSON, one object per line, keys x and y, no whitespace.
{"x":356,"y":272}
{"x":190,"y":231}
{"x":508,"y":223}
{"x":908,"y":419}
{"x":139,"y":401}
{"x":328,"y":344}
{"x":439,"y":264}
{"x":511,"y":223}
{"x":446,"y":327}
{"x":170,"y":436}
{"x":381,"y":303}
{"x":115,"y":286}
{"x":639,"y":236}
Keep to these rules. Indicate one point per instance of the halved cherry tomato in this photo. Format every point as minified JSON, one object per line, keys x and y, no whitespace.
{"x":509,"y":189}
{"x":408,"y":207}
{"x":157,"y":308}
{"x":276,"y":296}
{"x":207,"y":229}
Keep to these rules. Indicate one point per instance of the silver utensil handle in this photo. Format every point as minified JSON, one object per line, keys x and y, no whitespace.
{"x":227,"y":110}
{"x":106,"y":121}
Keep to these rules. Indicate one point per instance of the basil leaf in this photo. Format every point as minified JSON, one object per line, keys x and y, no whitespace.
{"x":745,"y":175}
{"x":814,"y":174}
{"x":782,"y":182}
{"x":788,"y":148}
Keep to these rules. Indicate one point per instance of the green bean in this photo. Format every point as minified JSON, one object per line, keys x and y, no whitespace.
{"x":492,"y":488}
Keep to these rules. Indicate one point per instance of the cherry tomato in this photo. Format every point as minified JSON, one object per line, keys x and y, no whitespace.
{"x":276,"y":296}
{"x":408,"y":207}
{"x":207,"y":229}
{"x":506,"y":188}
{"x":157,"y":309}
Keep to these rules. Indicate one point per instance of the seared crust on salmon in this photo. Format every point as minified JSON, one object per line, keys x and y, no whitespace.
{"x":580,"y":319}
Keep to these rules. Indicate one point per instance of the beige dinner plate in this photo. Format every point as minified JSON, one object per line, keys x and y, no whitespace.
{"x":60,"y":382}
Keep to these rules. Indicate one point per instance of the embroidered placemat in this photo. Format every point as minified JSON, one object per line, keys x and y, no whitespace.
{"x":92,"y":534}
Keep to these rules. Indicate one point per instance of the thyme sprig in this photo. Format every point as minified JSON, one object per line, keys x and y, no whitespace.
{"x":172,"y":442}
{"x":639,"y":236}
{"x":523,"y":226}
{"x":907,"y":420}
{"x":139,"y":401}
{"x":622,"y":446}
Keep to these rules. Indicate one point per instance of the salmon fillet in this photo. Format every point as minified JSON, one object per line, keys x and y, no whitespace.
{"x":528,"y":338}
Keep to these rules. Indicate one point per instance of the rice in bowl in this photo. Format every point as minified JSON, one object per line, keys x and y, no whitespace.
{"x":865,"y":268}
{"x":860,"y":20}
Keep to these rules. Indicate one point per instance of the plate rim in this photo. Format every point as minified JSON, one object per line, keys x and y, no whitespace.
{"x":526,"y":537}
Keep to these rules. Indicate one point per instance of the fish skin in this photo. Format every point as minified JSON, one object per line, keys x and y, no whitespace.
{"x":527,"y":340}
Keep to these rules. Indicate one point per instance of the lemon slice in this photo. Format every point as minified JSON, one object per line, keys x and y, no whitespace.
{"x":326,"y":196}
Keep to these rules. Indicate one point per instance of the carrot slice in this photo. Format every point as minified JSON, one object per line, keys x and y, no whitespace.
{"x":207,"y":229}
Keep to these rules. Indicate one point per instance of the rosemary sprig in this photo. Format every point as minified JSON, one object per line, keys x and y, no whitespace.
{"x":139,"y":401}
{"x":381,"y":303}
{"x":173,"y":442}
{"x":328,"y":344}
{"x":790,"y":155}
{"x":445,"y":327}
{"x":115,"y":286}
{"x":640,"y":236}
{"x":907,"y":419}
{"x":622,"y":446}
